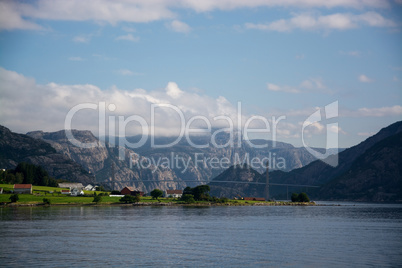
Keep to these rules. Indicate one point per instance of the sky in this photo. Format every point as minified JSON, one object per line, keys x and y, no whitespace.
{"x":154,"y":67}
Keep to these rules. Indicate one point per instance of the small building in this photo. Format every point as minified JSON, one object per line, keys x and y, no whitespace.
{"x":76,"y":192}
{"x":90,"y":187}
{"x":23,"y":188}
{"x":174,"y":193}
{"x":254,"y":198}
{"x":131,"y":191}
{"x":64,"y":191}
{"x":71,"y":185}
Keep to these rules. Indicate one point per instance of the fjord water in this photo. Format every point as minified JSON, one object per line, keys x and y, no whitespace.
{"x":353,"y":235}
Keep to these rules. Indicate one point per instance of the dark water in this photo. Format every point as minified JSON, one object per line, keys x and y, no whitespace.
{"x":332,"y":236}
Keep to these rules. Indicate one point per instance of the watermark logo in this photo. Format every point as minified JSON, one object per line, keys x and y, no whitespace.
{"x":332,"y":129}
{"x":237,"y":130}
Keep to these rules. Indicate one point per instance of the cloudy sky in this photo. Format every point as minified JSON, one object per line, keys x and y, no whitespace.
{"x":274,"y":58}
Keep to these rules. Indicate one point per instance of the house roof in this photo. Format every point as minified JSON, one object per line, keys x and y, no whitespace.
{"x":174,"y":191}
{"x":65,"y":191}
{"x":71,"y":185}
{"x":132,"y":189}
{"x":255,"y":198}
{"x":22,"y":186}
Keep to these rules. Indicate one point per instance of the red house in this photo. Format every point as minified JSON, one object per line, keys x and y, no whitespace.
{"x":131,"y":191}
{"x":23,"y":188}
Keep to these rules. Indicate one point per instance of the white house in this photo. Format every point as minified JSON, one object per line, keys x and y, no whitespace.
{"x":90,"y":187}
{"x":174,"y":193}
{"x":76,"y":192}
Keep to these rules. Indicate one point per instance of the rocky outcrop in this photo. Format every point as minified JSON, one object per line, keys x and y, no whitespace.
{"x":16,"y":148}
{"x":103,"y":162}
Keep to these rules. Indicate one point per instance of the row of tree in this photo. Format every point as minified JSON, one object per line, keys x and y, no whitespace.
{"x":27,"y":174}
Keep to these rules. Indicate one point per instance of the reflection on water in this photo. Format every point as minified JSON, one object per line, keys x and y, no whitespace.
{"x":348,"y":235}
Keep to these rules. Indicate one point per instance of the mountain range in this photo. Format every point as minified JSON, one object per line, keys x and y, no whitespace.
{"x":175,"y":167}
{"x":369,"y":171}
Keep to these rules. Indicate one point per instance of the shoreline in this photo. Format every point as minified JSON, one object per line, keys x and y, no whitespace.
{"x":162,"y":204}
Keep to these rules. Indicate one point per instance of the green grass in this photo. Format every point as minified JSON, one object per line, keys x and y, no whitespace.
{"x":41,"y":192}
{"x":56,"y":199}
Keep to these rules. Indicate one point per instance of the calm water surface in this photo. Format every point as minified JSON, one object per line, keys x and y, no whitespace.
{"x":352,"y":235}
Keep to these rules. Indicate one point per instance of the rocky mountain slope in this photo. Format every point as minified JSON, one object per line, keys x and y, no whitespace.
{"x":16,"y":148}
{"x":183,"y":162}
{"x":319,"y":173}
{"x":376,"y":175}
{"x":103,"y":162}
{"x":369,"y":171}
{"x":241,"y":183}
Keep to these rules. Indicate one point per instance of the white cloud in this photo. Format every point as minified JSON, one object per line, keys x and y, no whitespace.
{"x":75,"y":59}
{"x":336,"y":129}
{"x":173,"y":90}
{"x":273,"y":87}
{"x":11,"y":18}
{"x":46,"y":105}
{"x":128,"y":37}
{"x":127,"y":72}
{"x":179,"y":26}
{"x":308,"y":85}
{"x":364,"y":79}
{"x":380,"y":112}
{"x":19,"y":15}
{"x":395,"y":110}
{"x":338,"y":21}
{"x":82,"y":39}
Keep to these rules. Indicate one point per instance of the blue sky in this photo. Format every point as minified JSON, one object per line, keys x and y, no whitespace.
{"x":278,"y":58}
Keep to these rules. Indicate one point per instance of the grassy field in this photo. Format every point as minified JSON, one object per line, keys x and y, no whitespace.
{"x":40,"y":192}
{"x":42,"y":189}
{"x":63,"y":199}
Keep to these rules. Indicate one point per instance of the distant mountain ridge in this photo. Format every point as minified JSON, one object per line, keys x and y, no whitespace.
{"x":369,"y":171}
{"x":102,"y":161}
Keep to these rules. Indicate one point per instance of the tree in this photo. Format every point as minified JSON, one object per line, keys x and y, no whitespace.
{"x":188,"y":198}
{"x":156,"y":193}
{"x":303,"y":197}
{"x":137,"y":198}
{"x":97,"y":199}
{"x":127,"y":199}
{"x":199,"y":192}
{"x":14,"y":198}
{"x":295,"y":197}
{"x":100,"y":188}
{"x":46,"y":201}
